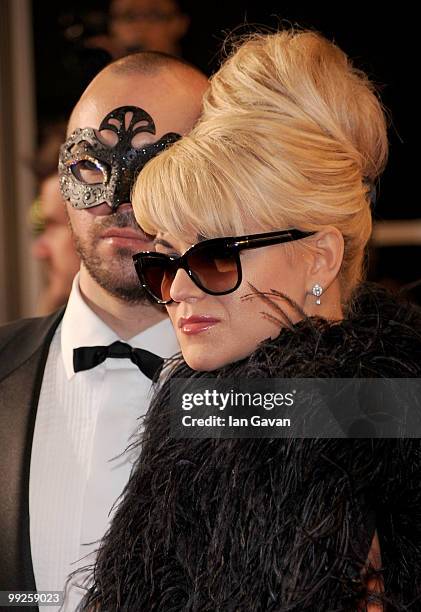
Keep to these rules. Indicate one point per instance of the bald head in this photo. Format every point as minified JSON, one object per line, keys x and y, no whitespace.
{"x":168,"y":89}
{"x":149,"y":62}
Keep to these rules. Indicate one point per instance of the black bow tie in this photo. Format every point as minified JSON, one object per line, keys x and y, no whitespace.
{"x":87,"y":357}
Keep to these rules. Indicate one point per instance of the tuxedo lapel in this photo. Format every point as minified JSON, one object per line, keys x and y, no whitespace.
{"x":23,"y":352}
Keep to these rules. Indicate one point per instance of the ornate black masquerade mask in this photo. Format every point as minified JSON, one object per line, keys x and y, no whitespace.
{"x":92,"y":172}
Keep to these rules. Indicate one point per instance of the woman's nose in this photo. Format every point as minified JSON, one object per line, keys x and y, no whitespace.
{"x":183,"y":289}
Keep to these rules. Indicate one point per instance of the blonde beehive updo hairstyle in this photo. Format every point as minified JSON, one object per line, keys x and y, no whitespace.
{"x":292,"y":135}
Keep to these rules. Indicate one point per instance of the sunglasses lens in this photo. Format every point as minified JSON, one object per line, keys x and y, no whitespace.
{"x":216,"y":270}
{"x":158,"y":276}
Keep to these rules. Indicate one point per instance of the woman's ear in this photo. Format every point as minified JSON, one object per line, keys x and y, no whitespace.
{"x":322,"y":286}
{"x":328,"y":253}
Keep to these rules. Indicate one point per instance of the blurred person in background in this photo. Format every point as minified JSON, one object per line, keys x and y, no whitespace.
{"x":53,"y":244}
{"x":155,"y":25}
{"x":142,"y":25}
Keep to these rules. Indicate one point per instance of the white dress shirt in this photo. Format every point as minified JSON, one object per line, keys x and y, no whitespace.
{"x":84,"y":423}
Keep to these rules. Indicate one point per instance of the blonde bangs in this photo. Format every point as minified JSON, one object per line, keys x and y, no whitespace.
{"x":185,"y":191}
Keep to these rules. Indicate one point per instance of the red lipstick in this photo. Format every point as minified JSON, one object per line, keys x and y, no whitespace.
{"x":197,"y":324}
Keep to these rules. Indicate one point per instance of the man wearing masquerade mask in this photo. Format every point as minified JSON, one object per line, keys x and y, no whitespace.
{"x":73,"y":385}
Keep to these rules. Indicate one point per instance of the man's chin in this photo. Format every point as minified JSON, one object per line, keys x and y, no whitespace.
{"x":119,"y":278}
{"x":116,"y":285}
{"x":131,"y":295}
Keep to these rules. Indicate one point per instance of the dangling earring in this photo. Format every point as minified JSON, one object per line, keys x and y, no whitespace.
{"x":317,"y":290}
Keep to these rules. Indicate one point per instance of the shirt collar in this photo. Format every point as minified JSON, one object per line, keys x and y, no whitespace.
{"x":81,"y":326}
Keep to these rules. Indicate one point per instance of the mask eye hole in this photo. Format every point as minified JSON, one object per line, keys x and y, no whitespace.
{"x":89,"y":171}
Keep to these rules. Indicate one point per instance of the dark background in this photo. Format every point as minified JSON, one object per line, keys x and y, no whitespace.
{"x":380,"y":40}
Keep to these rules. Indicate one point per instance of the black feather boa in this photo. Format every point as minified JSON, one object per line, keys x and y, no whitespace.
{"x":254,"y":525}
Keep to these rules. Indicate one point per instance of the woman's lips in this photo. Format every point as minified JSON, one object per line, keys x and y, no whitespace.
{"x":196,"y":324}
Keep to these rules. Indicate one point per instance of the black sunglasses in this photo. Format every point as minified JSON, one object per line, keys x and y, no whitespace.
{"x":213,"y":265}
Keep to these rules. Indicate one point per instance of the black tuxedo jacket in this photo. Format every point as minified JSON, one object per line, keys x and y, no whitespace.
{"x":24,"y":349}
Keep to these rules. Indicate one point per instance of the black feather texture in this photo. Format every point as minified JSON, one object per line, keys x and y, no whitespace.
{"x":276,"y":525}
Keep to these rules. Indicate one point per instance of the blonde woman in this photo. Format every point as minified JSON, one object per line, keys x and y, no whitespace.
{"x":262,"y":216}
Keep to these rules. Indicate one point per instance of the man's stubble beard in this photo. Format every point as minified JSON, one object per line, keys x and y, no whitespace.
{"x":116,"y":274}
